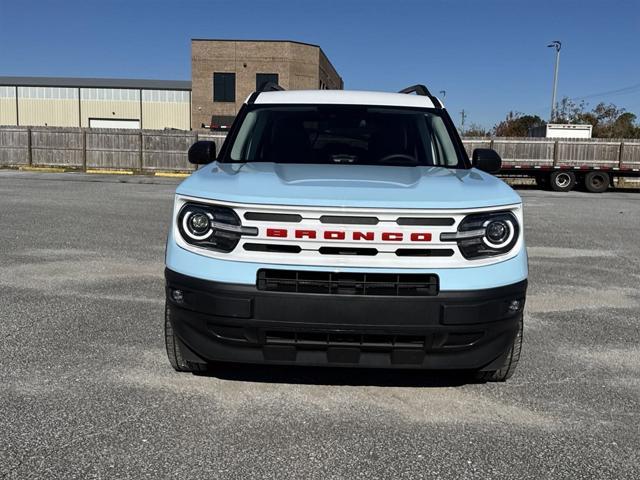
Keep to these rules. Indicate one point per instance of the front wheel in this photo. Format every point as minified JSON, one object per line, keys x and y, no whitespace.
{"x":511,"y":361}
{"x":174,"y":348}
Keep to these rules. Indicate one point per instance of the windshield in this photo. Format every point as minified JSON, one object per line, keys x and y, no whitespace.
{"x":339,"y":134}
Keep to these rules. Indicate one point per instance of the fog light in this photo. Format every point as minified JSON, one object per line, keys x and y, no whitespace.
{"x":177,"y":296}
{"x":514,"y":306}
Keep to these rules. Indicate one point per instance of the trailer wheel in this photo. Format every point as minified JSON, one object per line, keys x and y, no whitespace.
{"x":542,"y":181}
{"x":597,"y":182}
{"x":562,"y":181}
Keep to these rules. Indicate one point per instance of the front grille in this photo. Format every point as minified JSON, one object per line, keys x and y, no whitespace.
{"x":332,"y":283}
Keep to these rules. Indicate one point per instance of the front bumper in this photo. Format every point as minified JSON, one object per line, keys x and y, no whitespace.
{"x":238,"y":323}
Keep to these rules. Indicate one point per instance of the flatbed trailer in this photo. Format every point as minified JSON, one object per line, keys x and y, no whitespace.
{"x":563,"y":178}
{"x":563,"y":164}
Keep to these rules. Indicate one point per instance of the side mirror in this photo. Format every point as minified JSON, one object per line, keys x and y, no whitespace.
{"x":487,"y":160}
{"x":202,"y":152}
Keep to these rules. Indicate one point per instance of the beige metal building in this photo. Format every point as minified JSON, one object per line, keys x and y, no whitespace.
{"x":93,"y":102}
{"x":225,"y":72}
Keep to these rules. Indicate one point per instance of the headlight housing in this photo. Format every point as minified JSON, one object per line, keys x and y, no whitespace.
{"x":211,"y":226}
{"x":482,"y":235}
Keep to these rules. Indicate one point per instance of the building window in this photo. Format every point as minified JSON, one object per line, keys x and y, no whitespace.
{"x":224,"y":87}
{"x":264,"y":78}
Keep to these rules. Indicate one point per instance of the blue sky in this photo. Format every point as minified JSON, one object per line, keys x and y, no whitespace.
{"x":489,"y":56}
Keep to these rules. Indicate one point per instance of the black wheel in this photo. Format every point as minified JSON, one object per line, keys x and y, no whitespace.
{"x":562,"y":181}
{"x":511,"y":361}
{"x":597,"y":182}
{"x":174,"y":348}
{"x":542,"y":181}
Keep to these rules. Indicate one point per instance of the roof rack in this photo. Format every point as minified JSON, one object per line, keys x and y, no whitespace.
{"x":422,"y":90}
{"x":270,"y":87}
{"x":265,"y":87}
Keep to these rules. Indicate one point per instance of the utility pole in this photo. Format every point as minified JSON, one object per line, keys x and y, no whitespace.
{"x":463,"y":114}
{"x":557,"y":45}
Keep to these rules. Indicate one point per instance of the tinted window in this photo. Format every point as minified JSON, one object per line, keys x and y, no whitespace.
{"x":264,"y":78}
{"x":224,"y":87}
{"x":338,"y":134}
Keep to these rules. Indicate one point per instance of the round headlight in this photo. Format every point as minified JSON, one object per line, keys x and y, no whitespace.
{"x":197,"y":224}
{"x":498,"y":233}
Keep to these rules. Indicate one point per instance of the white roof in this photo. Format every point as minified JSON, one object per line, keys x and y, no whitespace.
{"x":344,"y":97}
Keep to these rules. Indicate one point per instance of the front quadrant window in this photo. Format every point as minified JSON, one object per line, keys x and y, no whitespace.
{"x":224,"y":87}
{"x":264,"y":78}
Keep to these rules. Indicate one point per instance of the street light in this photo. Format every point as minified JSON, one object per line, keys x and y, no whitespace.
{"x":557,"y":45}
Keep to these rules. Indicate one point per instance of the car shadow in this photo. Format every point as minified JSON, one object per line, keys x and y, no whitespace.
{"x":344,"y":376}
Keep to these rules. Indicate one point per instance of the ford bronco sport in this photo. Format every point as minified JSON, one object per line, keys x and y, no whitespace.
{"x":345,"y":229}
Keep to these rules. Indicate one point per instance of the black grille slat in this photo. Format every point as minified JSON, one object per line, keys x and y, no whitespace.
{"x":348,"y":251}
{"x":271,"y":247}
{"x":273,"y":217}
{"x":424,"y":252}
{"x":343,"y":283}
{"x":426,"y":222}
{"x":348,"y":220}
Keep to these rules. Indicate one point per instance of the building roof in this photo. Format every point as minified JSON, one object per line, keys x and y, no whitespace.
{"x":344,"y":97}
{"x":96,"y":83}
{"x":269,"y":41}
{"x":249,"y":40}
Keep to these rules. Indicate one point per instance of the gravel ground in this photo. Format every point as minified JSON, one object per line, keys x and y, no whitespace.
{"x":86,"y":390}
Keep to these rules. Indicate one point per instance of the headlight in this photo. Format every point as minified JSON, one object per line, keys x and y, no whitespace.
{"x":210,"y":226}
{"x":485,"y":234}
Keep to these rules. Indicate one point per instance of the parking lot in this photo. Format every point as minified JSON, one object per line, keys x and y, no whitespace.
{"x":86,"y":390}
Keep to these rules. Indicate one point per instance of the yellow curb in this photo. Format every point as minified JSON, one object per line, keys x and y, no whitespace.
{"x":171,"y":174}
{"x":110,"y":172}
{"x":43,"y":169}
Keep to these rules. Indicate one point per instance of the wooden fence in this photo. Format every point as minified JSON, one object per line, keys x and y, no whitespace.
{"x":165,"y":150}
{"x":139,"y":150}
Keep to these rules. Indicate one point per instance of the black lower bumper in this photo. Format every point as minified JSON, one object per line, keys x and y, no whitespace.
{"x":239,"y":323}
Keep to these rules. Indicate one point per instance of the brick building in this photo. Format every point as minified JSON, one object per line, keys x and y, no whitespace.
{"x":225,"y":72}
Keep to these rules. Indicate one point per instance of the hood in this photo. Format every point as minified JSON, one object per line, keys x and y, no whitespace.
{"x":367,"y":186}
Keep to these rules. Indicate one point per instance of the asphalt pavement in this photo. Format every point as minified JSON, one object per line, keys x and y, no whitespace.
{"x":86,"y":390}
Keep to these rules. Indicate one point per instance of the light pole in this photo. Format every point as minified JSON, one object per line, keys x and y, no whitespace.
{"x":557,"y":45}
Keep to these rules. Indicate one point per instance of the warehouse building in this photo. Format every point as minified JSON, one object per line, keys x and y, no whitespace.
{"x":95,"y":102}
{"x":225,"y":72}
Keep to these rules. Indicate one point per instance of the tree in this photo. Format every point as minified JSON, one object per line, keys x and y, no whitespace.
{"x":517,"y":124}
{"x":608,"y":121}
{"x":567,"y":111}
{"x":476,"y":130}
{"x":625,"y":126}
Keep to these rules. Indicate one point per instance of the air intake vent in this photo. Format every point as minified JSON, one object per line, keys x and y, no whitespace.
{"x":331,"y":283}
{"x":346,"y":339}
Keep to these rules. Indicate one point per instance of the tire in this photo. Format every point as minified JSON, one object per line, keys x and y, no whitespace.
{"x":597,"y":182}
{"x":562,"y":181}
{"x":542,"y":181}
{"x":174,"y":348}
{"x":511,"y":361}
